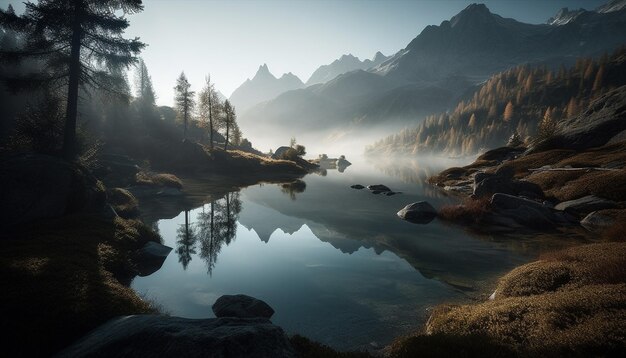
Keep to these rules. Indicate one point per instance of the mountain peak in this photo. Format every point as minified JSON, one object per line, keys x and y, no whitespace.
{"x":378,"y":57}
{"x":263,"y":72}
{"x":472,"y":14}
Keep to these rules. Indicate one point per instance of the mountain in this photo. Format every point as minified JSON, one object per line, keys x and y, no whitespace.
{"x":346,"y":63}
{"x":528,"y":101}
{"x":438,"y":67}
{"x":565,"y":16}
{"x":262,"y":87}
{"x":614,"y":5}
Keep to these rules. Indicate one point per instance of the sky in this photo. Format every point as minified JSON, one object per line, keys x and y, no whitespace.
{"x":230,"y":39}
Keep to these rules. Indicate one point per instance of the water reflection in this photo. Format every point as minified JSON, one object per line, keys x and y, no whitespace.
{"x":293,"y":188}
{"x":216,"y":226}
{"x":186,"y":242}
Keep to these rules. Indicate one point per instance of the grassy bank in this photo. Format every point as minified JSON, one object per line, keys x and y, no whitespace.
{"x":62,"y":278}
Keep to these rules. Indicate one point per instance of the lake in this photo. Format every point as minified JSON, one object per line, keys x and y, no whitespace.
{"x":335,"y":263}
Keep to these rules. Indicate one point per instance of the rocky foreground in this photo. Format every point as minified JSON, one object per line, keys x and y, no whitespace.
{"x":568,"y":303}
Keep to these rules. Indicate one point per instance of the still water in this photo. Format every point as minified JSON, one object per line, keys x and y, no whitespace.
{"x":335,"y":263}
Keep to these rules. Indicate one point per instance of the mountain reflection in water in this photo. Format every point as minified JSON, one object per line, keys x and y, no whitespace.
{"x":335,"y":263}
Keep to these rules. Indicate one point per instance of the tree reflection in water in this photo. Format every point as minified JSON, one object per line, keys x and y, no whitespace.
{"x":216,"y":225}
{"x":186,"y":242}
{"x":293,"y":188}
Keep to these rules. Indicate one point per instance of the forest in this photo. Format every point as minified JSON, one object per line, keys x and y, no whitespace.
{"x":523,"y":103}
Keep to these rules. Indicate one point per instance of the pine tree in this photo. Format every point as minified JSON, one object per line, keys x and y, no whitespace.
{"x":78,"y":42}
{"x":210,"y":108}
{"x":143,"y":83}
{"x":185,"y":101}
{"x":229,"y":119}
{"x":236,"y":137}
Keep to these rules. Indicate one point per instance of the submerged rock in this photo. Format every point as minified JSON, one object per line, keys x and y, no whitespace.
{"x":420,"y":212}
{"x":378,"y":187}
{"x":241,"y":306}
{"x":585,"y":205}
{"x":163,"y":336}
{"x":357,"y":186}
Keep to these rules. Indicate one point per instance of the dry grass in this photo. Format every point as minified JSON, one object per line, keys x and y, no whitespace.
{"x":570,"y":303}
{"x":124,"y":203}
{"x":567,"y":269}
{"x":616,"y":232}
{"x":448,"y":345}
{"x":572,"y":185}
{"x":164,"y":180}
{"x":585,"y":322}
{"x":58,"y":282}
{"x":470,"y":212}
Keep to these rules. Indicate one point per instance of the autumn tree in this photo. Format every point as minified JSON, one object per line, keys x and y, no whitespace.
{"x":547,"y":126}
{"x":78,"y":43}
{"x":229,"y":119}
{"x":508,"y":112}
{"x":185,"y":101}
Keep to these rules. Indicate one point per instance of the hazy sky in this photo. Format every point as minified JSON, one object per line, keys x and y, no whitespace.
{"x":230,"y":39}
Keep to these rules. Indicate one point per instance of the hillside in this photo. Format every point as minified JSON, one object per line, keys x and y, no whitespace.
{"x":518,"y":101}
{"x":448,"y":59}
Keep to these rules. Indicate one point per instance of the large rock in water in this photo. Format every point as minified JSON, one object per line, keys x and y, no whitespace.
{"x":150,"y":257}
{"x":604,"y":119}
{"x":585,"y":205}
{"x":162,"y":336}
{"x":420,"y":212}
{"x":378,"y":187}
{"x":40,"y":186}
{"x":241,"y":306}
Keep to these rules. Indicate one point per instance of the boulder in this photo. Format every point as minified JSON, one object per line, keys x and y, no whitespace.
{"x":486,"y":184}
{"x":378,"y":187}
{"x":150,"y":257}
{"x":524,"y":212}
{"x":40,"y":186}
{"x":357,"y":186}
{"x":596,"y":220}
{"x":281,"y":151}
{"x":420,"y":212}
{"x":585,"y":205}
{"x":163,"y":336}
{"x":241,"y":306}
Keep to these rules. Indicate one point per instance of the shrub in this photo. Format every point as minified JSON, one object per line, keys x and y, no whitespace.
{"x":470,"y":212}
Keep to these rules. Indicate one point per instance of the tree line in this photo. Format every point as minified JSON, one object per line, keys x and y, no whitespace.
{"x":208,"y":110}
{"x":63,"y":65}
{"x":523,"y":102}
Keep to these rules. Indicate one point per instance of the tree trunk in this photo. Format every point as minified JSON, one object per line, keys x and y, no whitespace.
{"x":227,"y":128}
{"x":210,"y":122}
{"x":185,"y":109}
{"x":69,"y":134}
